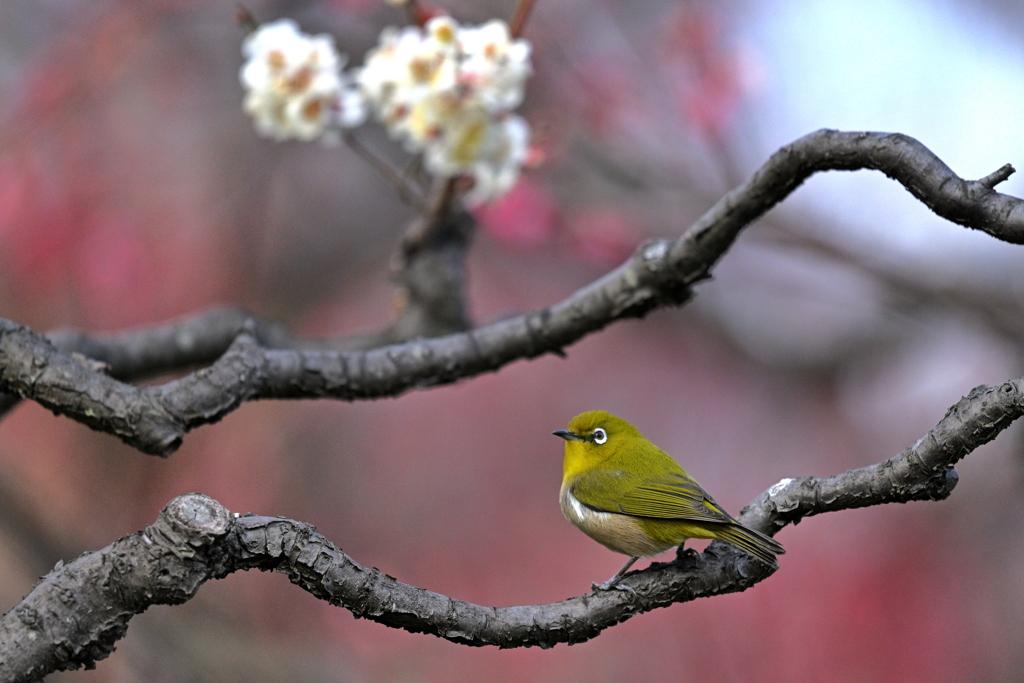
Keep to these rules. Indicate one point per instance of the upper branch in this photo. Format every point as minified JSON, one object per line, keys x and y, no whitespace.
{"x":660,"y":273}
{"x":76,"y":613}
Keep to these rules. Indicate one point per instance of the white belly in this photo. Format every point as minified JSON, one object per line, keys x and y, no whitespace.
{"x":620,"y":533}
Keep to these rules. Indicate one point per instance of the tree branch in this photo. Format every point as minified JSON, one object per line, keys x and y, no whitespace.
{"x":997,"y":176}
{"x":76,"y":613}
{"x":193,"y":340}
{"x":518,"y":21}
{"x":407,"y":191}
{"x":430,"y":268}
{"x":661,"y":273}
{"x":73,"y":617}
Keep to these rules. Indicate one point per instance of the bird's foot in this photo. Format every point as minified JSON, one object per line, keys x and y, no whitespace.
{"x":613,"y":583}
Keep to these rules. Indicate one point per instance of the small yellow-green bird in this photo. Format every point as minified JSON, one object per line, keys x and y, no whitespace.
{"x":632,"y":497}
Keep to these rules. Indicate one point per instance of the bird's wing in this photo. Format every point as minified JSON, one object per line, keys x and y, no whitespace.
{"x":672,"y":496}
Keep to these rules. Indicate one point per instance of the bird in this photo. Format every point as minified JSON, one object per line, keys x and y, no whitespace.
{"x":633,"y":498}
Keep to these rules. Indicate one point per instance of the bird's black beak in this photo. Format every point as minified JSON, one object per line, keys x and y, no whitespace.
{"x":568,"y":436}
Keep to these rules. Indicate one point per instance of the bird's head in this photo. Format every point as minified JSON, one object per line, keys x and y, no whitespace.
{"x":592,"y":438}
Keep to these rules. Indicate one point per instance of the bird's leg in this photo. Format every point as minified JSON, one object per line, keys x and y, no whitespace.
{"x":612,"y":583}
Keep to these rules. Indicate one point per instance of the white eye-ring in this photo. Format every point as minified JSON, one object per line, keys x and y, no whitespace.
{"x":600,"y":436}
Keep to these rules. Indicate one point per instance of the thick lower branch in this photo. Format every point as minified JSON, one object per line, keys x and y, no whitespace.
{"x":77,"y":612}
{"x":661,"y":273}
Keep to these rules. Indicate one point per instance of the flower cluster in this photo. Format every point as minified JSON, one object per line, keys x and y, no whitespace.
{"x":295,"y":86}
{"x":447,"y":91}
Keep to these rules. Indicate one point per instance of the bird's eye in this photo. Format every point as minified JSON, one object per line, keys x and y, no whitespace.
{"x":600,"y":436}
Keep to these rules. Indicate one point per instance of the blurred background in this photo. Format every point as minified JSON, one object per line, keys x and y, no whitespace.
{"x":836,"y":332}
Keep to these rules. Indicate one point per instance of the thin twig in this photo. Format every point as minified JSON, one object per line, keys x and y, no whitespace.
{"x":406,"y":190}
{"x":245,"y":18}
{"x":519,"y":17}
{"x":413,"y":168}
{"x":436,"y":208}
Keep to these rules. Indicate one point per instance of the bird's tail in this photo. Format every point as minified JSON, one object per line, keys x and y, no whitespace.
{"x":757,"y":544}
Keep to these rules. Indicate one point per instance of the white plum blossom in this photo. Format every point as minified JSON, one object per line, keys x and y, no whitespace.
{"x":406,"y":77}
{"x":490,"y":152}
{"x":447,"y":91}
{"x":494,"y":65}
{"x":294,"y":84}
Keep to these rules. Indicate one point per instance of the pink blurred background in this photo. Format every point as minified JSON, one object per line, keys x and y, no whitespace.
{"x":840,"y":328}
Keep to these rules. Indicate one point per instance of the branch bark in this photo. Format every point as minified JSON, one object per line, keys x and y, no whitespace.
{"x":430,"y":269}
{"x":661,"y":273}
{"x":75,"y":615}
